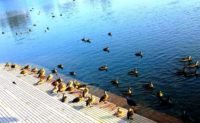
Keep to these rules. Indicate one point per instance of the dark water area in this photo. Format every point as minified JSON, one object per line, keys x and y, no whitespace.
{"x":164,"y":30}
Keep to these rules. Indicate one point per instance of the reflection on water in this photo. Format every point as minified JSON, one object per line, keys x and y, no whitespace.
{"x":163,"y":30}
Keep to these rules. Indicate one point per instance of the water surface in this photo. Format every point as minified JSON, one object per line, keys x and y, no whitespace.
{"x":163,"y":30}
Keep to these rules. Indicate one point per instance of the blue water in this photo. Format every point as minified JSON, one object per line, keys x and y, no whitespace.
{"x":164,"y":30}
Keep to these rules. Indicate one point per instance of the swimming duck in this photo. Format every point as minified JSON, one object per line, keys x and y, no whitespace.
{"x":60,"y":66}
{"x":149,"y":86}
{"x":119,"y":113}
{"x":64,"y":98}
{"x":90,"y":100}
{"x":24,"y":72}
{"x":28,"y":67}
{"x":29,"y":30}
{"x":130,"y":101}
{"x":103,"y":68}
{"x":186,"y":59}
{"x":53,"y":16}
{"x":77,"y":99}
{"x":134,"y":72}
{"x":109,"y":34}
{"x":87,"y":40}
{"x":130,"y":113}
{"x":194,"y":65}
{"x":60,"y":14}
{"x":34,"y":25}
{"x":55,"y":90}
{"x":49,"y":78}
{"x":47,"y":28}
{"x":140,"y":54}
{"x":54,"y":71}
{"x":72,"y":73}
{"x":160,"y":94}
{"x":104,"y":98}
{"x":129,"y":92}
{"x":34,"y":70}
{"x":115,"y":82}
{"x":85,"y":92}
{"x":106,"y":49}
{"x":2,"y":33}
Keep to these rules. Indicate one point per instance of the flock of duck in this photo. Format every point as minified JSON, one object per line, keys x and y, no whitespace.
{"x":59,"y":86}
{"x":190,"y":68}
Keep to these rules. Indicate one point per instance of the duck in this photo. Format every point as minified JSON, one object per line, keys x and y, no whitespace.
{"x":41,"y":75}
{"x":149,"y":86}
{"x":140,"y":54}
{"x":134,"y":72}
{"x":49,"y":78}
{"x":195,"y":65}
{"x":60,"y":66}
{"x":60,"y":14}
{"x":62,"y":87}
{"x":54,"y":71}
{"x":2,"y":33}
{"x":55,"y":83}
{"x":119,"y":112}
{"x":29,"y":30}
{"x":72,"y":73}
{"x":103,"y":68}
{"x":109,"y":34}
{"x":130,"y":113}
{"x":90,"y":100}
{"x":34,"y":25}
{"x":129,"y":92}
{"x":104,"y":98}
{"x":13,"y":66}
{"x":24,"y":72}
{"x":186,"y":59}
{"x":55,"y":90}
{"x":53,"y":16}
{"x":7,"y":65}
{"x":47,"y":28}
{"x":106,"y":49}
{"x":85,"y":92}
{"x":64,"y":98}
{"x":77,"y":99}
{"x":130,"y":101}
{"x":34,"y":70}
{"x":86,"y":40}
{"x":115,"y":82}
{"x":42,"y":70}
{"x":41,"y":81}
{"x":70,"y":86}
{"x":28,"y":67}
{"x":160,"y":94}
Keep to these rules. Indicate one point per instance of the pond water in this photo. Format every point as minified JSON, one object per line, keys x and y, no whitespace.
{"x":164,"y":30}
